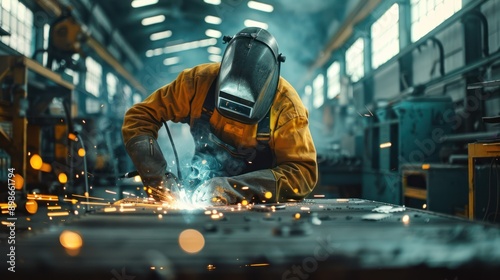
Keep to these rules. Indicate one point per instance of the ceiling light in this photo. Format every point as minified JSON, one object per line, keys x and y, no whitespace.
{"x":214,"y":50}
{"x":253,"y":23}
{"x":157,"y":51}
{"x":213,"y":20}
{"x":212,"y":2}
{"x":171,"y":60}
{"x":142,"y":3}
{"x":260,"y":6}
{"x":215,"y":58}
{"x":182,"y":47}
{"x":190,"y":45}
{"x":160,"y":35}
{"x":153,"y":20}
{"x":213,"y":33}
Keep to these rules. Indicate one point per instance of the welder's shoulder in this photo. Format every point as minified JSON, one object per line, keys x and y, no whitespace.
{"x":288,"y":100}
{"x":204,"y":70}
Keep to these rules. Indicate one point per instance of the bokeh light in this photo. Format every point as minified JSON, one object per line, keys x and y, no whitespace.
{"x":71,"y":241}
{"x":63,"y":178}
{"x":31,"y":206}
{"x":19,"y":181}
{"x":191,"y":241}
{"x":36,"y":162}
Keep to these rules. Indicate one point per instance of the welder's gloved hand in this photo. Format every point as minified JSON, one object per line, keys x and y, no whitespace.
{"x":151,"y":165}
{"x":215,"y":191}
{"x":253,"y":187}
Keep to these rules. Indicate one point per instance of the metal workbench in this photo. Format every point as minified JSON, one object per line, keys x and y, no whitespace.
{"x":313,"y":239}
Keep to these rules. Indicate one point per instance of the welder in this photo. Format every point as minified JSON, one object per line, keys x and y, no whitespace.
{"x":249,"y":126}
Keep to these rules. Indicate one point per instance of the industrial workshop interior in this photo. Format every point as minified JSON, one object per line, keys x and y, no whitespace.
{"x":385,"y":150}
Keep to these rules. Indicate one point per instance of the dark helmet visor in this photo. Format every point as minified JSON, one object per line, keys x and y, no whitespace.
{"x":248,"y":77}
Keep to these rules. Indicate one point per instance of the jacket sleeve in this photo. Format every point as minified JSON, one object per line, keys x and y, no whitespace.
{"x":296,"y":172}
{"x":168,"y":103}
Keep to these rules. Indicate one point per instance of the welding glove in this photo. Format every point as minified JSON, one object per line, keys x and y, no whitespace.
{"x":151,"y":165}
{"x":253,"y":187}
{"x":215,"y":191}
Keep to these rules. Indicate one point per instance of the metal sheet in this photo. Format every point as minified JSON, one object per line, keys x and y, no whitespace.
{"x":314,"y":239}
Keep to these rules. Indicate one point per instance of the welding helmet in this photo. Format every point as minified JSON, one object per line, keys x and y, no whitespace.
{"x":248,"y":76}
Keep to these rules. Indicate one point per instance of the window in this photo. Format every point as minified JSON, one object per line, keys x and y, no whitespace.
{"x":17,"y":20}
{"x":127,"y":96}
{"x":428,"y":14}
{"x":112,"y":82}
{"x":333,"y":76}
{"x":92,"y":106}
{"x":93,"y":79}
{"x":306,"y":98}
{"x":136,"y":98}
{"x":385,"y":36}
{"x":318,"y":91}
{"x":46,"y":32}
{"x":355,"y":60}
{"x":74,"y":75}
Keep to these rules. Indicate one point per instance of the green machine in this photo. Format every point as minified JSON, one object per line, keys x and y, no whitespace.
{"x":404,"y":132}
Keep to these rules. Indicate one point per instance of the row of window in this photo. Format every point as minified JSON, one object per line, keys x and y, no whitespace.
{"x":17,"y":20}
{"x":384,"y":35}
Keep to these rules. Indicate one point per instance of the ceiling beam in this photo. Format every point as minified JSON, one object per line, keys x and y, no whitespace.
{"x":360,"y":12}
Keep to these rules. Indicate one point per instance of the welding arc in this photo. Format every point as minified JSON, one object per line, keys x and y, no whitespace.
{"x":179,"y":175}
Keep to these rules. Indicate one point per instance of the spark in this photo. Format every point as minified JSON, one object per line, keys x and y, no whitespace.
{"x":87,"y":196}
{"x":215,"y":216}
{"x":73,"y":201}
{"x":127,"y":209}
{"x":258,"y":264}
{"x":57,"y":214}
{"x":45,"y":197}
{"x":95,"y":203}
